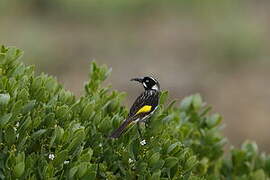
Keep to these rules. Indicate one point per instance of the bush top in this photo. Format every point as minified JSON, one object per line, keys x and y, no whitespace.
{"x":48,"y":133}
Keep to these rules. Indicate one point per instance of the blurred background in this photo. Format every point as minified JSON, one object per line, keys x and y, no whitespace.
{"x":220,"y":49}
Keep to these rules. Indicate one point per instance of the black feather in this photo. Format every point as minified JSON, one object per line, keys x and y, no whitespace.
{"x":148,"y":97}
{"x":121,"y":129}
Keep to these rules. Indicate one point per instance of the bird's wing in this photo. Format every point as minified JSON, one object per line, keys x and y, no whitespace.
{"x":144,"y":104}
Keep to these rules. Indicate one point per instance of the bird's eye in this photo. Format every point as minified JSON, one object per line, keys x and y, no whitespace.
{"x":147,"y":81}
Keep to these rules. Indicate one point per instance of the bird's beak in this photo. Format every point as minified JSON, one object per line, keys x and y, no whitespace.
{"x":137,"y":79}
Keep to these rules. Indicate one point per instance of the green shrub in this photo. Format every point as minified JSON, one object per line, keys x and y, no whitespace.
{"x":48,"y":133}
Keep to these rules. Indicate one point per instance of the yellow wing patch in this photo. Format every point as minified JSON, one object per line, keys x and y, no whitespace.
{"x":144,"y":109}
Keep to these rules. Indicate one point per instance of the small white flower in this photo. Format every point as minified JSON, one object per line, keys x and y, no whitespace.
{"x":51,"y":156}
{"x":100,"y":145}
{"x":143,"y":142}
{"x":66,"y":162}
{"x":130,"y":160}
{"x":17,"y":124}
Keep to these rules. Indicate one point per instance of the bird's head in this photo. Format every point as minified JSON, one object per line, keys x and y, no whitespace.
{"x":149,"y":83}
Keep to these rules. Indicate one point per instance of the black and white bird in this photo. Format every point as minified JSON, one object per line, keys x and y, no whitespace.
{"x":144,"y":106}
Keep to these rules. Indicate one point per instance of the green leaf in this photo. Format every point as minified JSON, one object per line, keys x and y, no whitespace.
{"x":170,"y":106}
{"x":21,"y":146}
{"x":134,"y":148}
{"x":28,"y":107}
{"x":105,"y":125}
{"x":50,"y":119}
{"x":191,"y":162}
{"x":213,"y":120}
{"x":13,"y":54}
{"x":19,"y":169}
{"x":16,"y":108}
{"x":51,"y":84}
{"x":250,"y":147}
{"x":25,"y":125}
{"x":10,"y":136}
{"x":170,"y":162}
{"x":62,"y":112}
{"x":197,"y":101}
{"x":163,"y":97}
{"x":92,"y":172}
{"x":4,"y":99}
{"x":77,"y":140}
{"x":18,"y":70}
{"x":38,"y":133}
{"x":88,"y":109}
{"x":82,"y":168}
{"x":154,"y":158}
{"x":86,"y":155}
{"x":158,"y":165}
{"x":186,"y":102}
{"x":156,"y":175}
{"x":37,"y":83}
{"x":174,"y":148}
{"x":72,"y":172}
{"x":4,"y":119}
{"x":59,"y":132}
{"x":203,"y":165}
{"x":141,"y":167}
{"x":60,"y":158}
{"x":23,"y":94}
{"x":259,"y":175}
{"x":20,"y":157}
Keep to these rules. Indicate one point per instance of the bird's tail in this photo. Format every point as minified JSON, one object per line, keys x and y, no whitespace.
{"x":117,"y":133}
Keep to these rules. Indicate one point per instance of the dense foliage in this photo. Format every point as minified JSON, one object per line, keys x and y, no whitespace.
{"x":48,"y":133}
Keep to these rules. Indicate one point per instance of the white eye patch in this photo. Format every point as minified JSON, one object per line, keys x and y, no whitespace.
{"x":144,"y":84}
